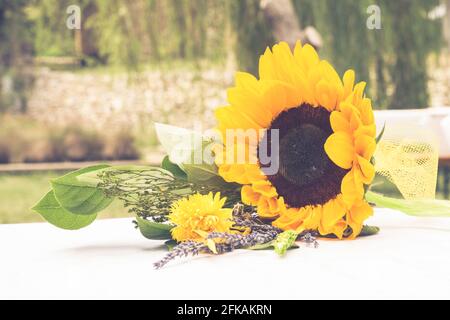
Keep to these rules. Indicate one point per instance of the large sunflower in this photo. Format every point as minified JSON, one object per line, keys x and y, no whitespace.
{"x":326,"y":141}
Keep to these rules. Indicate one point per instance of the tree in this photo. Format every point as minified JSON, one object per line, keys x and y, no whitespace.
{"x":282,"y":18}
{"x":412,"y":41}
{"x":446,"y":23}
{"x":15,"y":54}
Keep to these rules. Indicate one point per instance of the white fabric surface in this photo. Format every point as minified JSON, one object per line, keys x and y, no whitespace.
{"x":410,"y":258}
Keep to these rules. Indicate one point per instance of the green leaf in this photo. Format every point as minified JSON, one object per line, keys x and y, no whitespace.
{"x":173,"y":168}
{"x":170,"y":244}
{"x":154,"y":231}
{"x":285,"y":241}
{"x":182,"y":147}
{"x":79,"y":197}
{"x":211,"y":246}
{"x":178,"y":142}
{"x":369,"y":231}
{"x":381,"y":134}
{"x":418,"y":208}
{"x":262,"y":246}
{"x":50,"y":209}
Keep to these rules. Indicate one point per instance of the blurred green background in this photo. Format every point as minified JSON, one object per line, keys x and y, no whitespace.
{"x":92,"y":94}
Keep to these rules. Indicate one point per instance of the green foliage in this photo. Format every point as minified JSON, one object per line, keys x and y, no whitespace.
{"x":72,"y":204}
{"x":412,"y":41}
{"x":19,"y":192}
{"x":16,"y":48}
{"x":369,"y":231}
{"x":50,"y":209}
{"x":154,"y":231}
{"x":391,"y":57}
{"x":283,"y":242}
{"x":252,"y":32}
{"x":53,"y":38}
{"x":191,"y":151}
{"x":148,"y":192}
{"x":78,"y":197}
{"x":132,"y":33}
{"x":415,"y":207}
{"x":117,"y":40}
{"x":173,"y":168}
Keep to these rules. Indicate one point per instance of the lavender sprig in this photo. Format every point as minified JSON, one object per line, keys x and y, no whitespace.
{"x":260,"y":233}
{"x":183,"y":249}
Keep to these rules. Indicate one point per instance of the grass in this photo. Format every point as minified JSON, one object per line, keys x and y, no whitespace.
{"x":20,"y":192}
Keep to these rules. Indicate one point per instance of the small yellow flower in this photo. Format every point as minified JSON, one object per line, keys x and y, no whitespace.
{"x":198,"y":215}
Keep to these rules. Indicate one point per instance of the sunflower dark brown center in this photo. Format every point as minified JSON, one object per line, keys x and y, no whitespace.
{"x":306,"y":175}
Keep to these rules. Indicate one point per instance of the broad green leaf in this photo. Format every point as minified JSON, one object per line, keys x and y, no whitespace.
{"x":79,"y":197}
{"x":154,"y":231}
{"x":51,"y":211}
{"x":418,"y":208}
{"x":185,"y":148}
{"x":202,"y":170}
{"x":369,"y":231}
{"x":178,"y":142}
{"x":173,"y":168}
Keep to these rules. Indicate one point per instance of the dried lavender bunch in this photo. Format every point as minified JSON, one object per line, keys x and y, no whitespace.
{"x":310,"y":238}
{"x":183,"y":249}
{"x":260,"y":233}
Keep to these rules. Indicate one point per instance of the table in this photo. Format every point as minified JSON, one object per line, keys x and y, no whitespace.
{"x":410,"y":258}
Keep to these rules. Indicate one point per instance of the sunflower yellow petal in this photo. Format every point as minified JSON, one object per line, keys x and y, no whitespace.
{"x":249,"y":108}
{"x":313,"y":220}
{"x":339,"y":148}
{"x":365,"y":146}
{"x":331,"y":214}
{"x":368,"y":130}
{"x":339,"y":122}
{"x":269,"y":207}
{"x":249,"y":196}
{"x":266,"y":66}
{"x":325,"y":96}
{"x":357,"y":215}
{"x":367,"y":116}
{"x":367,"y":170}
{"x":352,"y":188}
{"x":290,"y":220}
{"x":307,"y":57}
{"x":349,"y":82}
{"x":264,"y":188}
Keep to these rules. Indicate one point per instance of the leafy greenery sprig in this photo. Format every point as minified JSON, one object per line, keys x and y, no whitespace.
{"x":148,"y":192}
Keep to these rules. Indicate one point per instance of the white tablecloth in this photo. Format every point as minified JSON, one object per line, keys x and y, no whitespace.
{"x":410,"y":258}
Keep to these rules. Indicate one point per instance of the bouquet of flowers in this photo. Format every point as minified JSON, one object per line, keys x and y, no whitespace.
{"x":292,"y":158}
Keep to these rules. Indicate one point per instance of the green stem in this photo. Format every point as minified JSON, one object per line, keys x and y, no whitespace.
{"x":416,"y":207}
